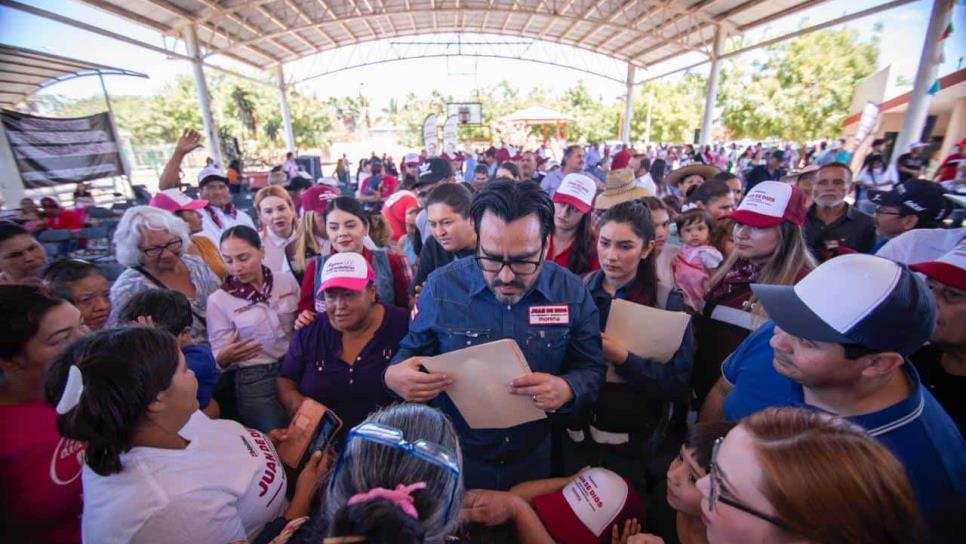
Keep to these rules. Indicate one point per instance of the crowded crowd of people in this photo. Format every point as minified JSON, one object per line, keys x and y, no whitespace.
{"x":809,"y":395}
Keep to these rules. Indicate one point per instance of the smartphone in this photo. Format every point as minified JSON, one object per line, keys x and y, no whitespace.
{"x":313,"y":428}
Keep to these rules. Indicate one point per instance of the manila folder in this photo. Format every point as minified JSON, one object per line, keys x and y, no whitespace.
{"x":645,"y":331}
{"x":481,"y":375}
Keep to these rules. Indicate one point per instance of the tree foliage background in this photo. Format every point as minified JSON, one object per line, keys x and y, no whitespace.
{"x":801,"y":90}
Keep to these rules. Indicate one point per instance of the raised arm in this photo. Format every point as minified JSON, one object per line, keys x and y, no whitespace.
{"x":170,"y":176}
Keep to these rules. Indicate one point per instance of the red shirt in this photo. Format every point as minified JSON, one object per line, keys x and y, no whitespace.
{"x":39,"y":476}
{"x":66,"y":220}
{"x":564,"y":258}
{"x":395,"y":210}
{"x":386,"y":187}
{"x":947,"y":170}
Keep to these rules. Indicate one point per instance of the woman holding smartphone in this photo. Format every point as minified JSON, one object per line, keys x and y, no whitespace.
{"x":338,"y":359}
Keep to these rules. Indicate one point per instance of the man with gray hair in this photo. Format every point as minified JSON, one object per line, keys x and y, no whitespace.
{"x":832,"y":227}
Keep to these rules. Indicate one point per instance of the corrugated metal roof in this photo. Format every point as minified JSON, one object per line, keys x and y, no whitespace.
{"x":263,"y":33}
{"x":25,"y":71}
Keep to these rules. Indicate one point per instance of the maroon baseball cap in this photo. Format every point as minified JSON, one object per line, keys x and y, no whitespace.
{"x":586,"y":509}
{"x":317,"y":197}
{"x":620,"y":160}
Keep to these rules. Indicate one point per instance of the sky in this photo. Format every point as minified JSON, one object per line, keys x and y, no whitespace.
{"x":902,"y":37}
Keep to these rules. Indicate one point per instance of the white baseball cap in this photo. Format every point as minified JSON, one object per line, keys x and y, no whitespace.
{"x":347,"y":270}
{"x":950,"y":269}
{"x":585,"y":510}
{"x":769,"y":203}
{"x":578,"y":190}
{"x":855,"y":299}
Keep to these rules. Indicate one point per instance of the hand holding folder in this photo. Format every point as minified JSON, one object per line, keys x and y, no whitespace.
{"x":479,"y":390}
{"x":645,"y":331}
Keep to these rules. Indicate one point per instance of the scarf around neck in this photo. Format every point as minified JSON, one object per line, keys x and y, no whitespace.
{"x":230,"y":210}
{"x":246,"y":291}
{"x":741,"y":275}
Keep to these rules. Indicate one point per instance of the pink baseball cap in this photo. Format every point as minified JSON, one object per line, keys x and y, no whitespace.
{"x":588,"y":507}
{"x":346,"y":270}
{"x":315,"y":198}
{"x":578,"y":190}
{"x":411,"y":159}
{"x":174,"y":201}
{"x":769,"y":203}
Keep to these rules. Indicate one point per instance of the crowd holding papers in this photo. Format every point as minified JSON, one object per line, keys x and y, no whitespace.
{"x":645,"y":331}
{"x":480,"y":377}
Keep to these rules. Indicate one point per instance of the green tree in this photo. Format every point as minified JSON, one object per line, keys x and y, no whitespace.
{"x":802,"y":90}
{"x":593,"y":121}
{"x":675,"y":109}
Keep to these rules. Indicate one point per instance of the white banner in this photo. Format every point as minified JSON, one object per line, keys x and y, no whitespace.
{"x":450,"y":135}
{"x":870,"y":114}
{"x":431,"y":135}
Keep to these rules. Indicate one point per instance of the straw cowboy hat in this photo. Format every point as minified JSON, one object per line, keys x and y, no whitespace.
{"x":620,"y":187}
{"x":706,"y":171}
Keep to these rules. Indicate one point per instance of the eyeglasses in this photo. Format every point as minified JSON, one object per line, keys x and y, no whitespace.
{"x":880,"y":211}
{"x":519,"y":267}
{"x":392,"y":437}
{"x":174,"y":246}
{"x":716,"y":494}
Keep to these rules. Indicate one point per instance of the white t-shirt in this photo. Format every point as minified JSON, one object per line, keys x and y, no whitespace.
{"x":225,"y":486}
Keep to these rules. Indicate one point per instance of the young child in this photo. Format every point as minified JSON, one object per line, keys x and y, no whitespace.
{"x":170,"y":310}
{"x":697,"y":258}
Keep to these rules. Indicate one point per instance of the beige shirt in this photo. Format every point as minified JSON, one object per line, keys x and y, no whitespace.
{"x":270,"y":323}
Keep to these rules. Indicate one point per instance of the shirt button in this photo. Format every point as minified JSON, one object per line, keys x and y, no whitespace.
{"x":350,"y":382}
{"x":351,"y":370}
{"x":507,"y":440}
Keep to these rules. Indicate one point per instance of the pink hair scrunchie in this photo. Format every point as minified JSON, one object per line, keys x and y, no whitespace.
{"x":401,"y":497}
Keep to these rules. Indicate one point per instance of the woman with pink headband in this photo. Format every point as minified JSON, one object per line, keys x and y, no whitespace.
{"x":399,"y":480}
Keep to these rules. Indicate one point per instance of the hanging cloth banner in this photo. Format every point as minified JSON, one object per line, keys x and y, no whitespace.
{"x":870,"y":114}
{"x":52,"y":151}
{"x":450,"y":136}
{"x":431,"y":135}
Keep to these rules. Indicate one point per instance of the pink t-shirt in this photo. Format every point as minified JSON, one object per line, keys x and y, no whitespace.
{"x":39,"y":476}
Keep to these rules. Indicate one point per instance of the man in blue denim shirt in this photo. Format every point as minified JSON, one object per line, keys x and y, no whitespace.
{"x":507,"y":291}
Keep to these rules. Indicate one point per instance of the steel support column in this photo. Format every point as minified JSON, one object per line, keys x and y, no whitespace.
{"x":201,"y":87}
{"x":918,"y":105}
{"x":286,"y":117}
{"x":628,"y":105}
{"x":711,"y":96}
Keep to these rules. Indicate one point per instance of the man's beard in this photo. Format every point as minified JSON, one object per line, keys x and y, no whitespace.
{"x":509,"y":300}
{"x":829,"y":204}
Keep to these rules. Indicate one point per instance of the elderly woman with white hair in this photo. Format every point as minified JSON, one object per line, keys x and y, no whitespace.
{"x":151,"y":243}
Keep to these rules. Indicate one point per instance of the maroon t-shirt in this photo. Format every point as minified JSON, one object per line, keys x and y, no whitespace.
{"x":39,"y":477}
